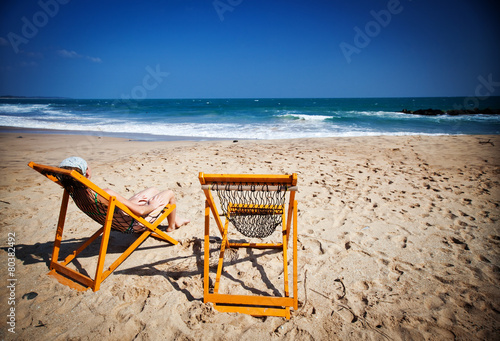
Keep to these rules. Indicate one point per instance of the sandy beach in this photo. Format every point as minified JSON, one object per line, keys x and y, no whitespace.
{"x":399,"y":239}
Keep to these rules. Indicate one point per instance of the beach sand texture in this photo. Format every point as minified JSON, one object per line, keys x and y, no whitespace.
{"x":398,"y":240}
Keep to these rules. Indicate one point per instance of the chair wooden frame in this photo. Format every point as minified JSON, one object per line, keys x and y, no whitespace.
{"x":75,"y":279}
{"x":251,"y":304}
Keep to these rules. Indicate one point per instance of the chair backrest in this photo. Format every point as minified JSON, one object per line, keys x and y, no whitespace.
{"x":86,"y":200}
{"x":254,"y":204}
{"x":84,"y":196}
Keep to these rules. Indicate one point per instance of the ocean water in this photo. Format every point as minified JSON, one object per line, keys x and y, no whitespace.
{"x":156,"y":119}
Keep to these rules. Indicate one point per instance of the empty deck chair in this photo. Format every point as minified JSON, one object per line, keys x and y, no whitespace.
{"x":110,"y":215}
{"x":255,"y":205}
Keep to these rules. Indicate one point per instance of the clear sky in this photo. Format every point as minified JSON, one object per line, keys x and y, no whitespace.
{"x":249,"y":48}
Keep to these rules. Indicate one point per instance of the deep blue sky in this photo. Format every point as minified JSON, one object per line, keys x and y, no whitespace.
{"x":248,"y":48}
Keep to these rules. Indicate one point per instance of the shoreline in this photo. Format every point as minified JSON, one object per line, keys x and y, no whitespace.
{"x":129,"y":136}
{"x":141,"y":137}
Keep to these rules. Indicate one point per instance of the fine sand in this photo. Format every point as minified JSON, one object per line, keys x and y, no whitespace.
{"x":398,"y":240}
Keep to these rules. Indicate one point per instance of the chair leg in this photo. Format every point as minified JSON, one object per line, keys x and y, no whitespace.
{"x":206,"y":255}
{"x":154,"y":226}
{"x":290,"y":212}
{"x":125,"y":254}
{"x":285,"y":257}
{"x":104,"y":244}
{"x":295,"y":260}
{"x":59,"y":270}
{"x":60,"y":228}
{"x":221,"y":259}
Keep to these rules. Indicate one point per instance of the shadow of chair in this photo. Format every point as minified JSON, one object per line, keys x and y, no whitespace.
{"x":182,"y":268}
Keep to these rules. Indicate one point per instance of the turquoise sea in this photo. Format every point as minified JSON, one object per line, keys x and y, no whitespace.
{"x":262,"y":118}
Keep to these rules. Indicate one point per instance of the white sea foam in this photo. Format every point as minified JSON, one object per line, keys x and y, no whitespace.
{"x":304,"y":117}
{"x":56,"y":113}
{"x":209,"y":130}
{"x":21,"y":108}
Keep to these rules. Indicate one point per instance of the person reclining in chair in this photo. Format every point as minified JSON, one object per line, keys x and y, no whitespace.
{"x":147,"y":203}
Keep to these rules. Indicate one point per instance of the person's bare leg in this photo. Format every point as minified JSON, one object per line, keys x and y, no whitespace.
{"x":142,"y":197}
{"x":174,"y":222}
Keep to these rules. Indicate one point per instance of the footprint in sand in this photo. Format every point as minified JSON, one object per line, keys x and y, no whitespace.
{"x":314,"y":246}
{"x":396,"y":272}
{"x":460,"y":243}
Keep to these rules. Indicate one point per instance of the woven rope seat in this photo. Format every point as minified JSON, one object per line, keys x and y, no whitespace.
{"x":255,"y":210}
{"x":86,"y":201}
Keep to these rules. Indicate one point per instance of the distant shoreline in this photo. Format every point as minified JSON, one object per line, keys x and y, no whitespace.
{"x":130,"y":136}
{"x":32,"y":97}
{"x":237,"y":98}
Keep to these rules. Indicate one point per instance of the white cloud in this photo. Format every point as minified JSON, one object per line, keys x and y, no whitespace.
{"x":94,"y":59}
{"x":37,"y":55}
{"x":3,"y":42}
{"x":72,"y":54}
{"x":28,"y":64}
{"x":68,"y":54}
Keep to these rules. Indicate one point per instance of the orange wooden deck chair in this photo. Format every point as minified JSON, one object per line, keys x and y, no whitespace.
{"x":255,"y":205}
{"x":109,"y":216}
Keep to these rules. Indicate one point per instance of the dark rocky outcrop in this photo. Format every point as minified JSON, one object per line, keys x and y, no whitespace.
{"x":454,"y":112}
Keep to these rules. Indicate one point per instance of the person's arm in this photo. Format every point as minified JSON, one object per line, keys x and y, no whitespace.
{"x":140,"y":210}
